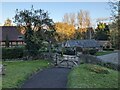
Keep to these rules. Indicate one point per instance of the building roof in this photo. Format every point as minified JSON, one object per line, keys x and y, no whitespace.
{"x":81,"y":43}
{"x":11,"y":32}
{"x":104,"y":43}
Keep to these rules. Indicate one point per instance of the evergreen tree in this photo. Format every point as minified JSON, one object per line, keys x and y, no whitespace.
{"x":34,"y":22}
{"x":102,"y":32}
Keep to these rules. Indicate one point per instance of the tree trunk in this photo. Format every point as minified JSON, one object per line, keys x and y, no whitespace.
{"x":119,"y":26}
{"x":49,"y":48}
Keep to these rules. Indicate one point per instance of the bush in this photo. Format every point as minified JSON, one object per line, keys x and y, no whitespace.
{"x":108,"y":49}
{"x":85,"y":52}
{"x":98,"y":69}
{"x":12,"y":53}
{"x":92,"y":51}
{"x":111,"y":66}
{"x":69,"y":52}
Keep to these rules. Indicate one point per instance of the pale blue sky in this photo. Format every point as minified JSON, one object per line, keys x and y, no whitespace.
{"x":57,"y":9}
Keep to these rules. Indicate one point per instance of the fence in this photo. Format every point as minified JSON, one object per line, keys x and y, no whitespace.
{"x":65,"y":60}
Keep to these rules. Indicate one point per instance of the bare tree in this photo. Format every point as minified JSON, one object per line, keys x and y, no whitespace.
{"x":66,"y":18}
{"x":80,"y":19}
{"x":87,"y":19}
{"x":83,"y":19}
{"x":72,"y":18}
{"x":69,"y":18}
{"x":84,"y":22}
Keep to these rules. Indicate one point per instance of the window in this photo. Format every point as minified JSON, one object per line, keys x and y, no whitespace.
{"x":20,"y":37}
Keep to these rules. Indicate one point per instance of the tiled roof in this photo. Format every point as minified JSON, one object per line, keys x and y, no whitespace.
{"x":11,"y":32}
{"x":81,"y":43}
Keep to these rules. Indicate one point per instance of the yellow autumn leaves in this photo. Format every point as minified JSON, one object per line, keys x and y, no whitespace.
{"x":65,"y":31}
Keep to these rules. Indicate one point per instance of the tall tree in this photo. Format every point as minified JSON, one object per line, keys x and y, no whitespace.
{"x":84,"y":22}
{"x":66,"y":18}
{"x":115,"y":8}
{"x":114,"y":34}
{"x":65,"y":31}
{"x":69,"y":18}
{"x":34,"y":22}
{"x":102,"y":32}
{"x":72,"y":18}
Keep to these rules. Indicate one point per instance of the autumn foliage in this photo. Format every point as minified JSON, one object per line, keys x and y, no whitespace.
{"x":65,"y":31}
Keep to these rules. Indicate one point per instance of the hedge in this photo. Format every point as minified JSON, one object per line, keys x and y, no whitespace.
{"x":108,"y":49}
{"x":12,"y":53}
{"x":69,"y":52}
{"x":91,"y":51}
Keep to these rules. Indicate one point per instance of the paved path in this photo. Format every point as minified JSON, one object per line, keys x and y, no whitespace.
{"x":48,"y":78}
{"x":112,"y":58}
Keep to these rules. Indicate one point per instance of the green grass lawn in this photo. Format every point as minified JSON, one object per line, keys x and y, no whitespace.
{"x":103,"y":53}
{"x":18,"y":71}
{"x":83,"y":77}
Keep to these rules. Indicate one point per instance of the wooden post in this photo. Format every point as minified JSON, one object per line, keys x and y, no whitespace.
{"x":16,"y":43}
{"x":56,"y":59}
{"x":11,"y":44}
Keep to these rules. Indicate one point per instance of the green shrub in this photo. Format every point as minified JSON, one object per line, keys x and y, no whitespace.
{"x":92,"y":51}
{"x":108,"y":49}
{"x":112,"y":66}
{"x":98,"y":69}
{"x":12,"y":53}
{"x":85,"y":52}
{"x":69,"y":52}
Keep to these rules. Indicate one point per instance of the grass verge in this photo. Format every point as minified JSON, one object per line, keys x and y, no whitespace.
{"x":87,"y":76}
{"x":18,"y":71}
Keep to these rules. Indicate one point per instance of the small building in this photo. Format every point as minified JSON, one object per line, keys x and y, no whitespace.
{"x":81,"y":45}
{"x":12,"y":34}
{"x":105,"y":44}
